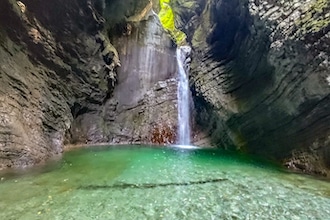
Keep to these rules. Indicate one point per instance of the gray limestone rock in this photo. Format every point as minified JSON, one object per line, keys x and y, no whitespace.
{"x":143,"y":103}
{"x":51,"y":70}
{"x":259,"y":75}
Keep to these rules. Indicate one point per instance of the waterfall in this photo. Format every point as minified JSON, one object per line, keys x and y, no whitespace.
{"x":182,"y":55}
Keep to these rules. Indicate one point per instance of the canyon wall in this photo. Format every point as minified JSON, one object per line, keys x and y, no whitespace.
{"x":261,"y":76}
{"x":77,"y":72}
{"x":50,"y":64}
{"x":94,"y":71}
{"x":142,"y":108}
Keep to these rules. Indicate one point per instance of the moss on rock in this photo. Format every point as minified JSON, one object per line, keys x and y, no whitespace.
{"x":314,"y":18}
{"x":167,"y":19}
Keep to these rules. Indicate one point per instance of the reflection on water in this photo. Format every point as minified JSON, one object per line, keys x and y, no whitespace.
{"x":161,"y":183}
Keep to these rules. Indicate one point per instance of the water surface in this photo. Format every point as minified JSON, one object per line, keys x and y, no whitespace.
{"x":161,"y":183}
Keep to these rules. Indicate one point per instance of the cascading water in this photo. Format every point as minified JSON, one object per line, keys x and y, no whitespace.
{"x":182,"y":55}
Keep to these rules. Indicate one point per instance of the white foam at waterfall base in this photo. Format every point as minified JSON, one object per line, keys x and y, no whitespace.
{"x":182,"y":53}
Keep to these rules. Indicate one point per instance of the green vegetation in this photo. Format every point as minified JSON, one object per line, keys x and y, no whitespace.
{"x":314,"y":19}
{"x":167,"y":19}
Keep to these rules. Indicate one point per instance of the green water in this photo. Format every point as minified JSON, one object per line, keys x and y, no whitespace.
{"x":161,"y":183}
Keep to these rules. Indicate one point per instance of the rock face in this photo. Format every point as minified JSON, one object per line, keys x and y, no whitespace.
{"x":260,"y":76}
{"x":59,"y":82}
{"x":51,"y":68}
{"x":142,"y":108}
{"x":91,"y":71}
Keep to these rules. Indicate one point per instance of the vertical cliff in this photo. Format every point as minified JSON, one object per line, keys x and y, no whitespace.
{"x":142,"y":108}
{"x":50,"y":63}
{"x":78,"y":72}
{"x":261,"y":76}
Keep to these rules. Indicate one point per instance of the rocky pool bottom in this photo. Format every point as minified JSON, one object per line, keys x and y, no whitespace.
{"x":130,"y":182}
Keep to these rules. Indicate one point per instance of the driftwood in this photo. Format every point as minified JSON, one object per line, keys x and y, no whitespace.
{"x":148,"y":185}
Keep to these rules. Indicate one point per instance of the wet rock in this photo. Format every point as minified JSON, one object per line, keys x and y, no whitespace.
{"x":259,"y":73}
{"x":142,"y":108}
{"x":93,"y":71}
{"x":51,"y":71}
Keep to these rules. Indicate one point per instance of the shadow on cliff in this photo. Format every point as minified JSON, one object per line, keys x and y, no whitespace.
{"x":256,"y":95}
